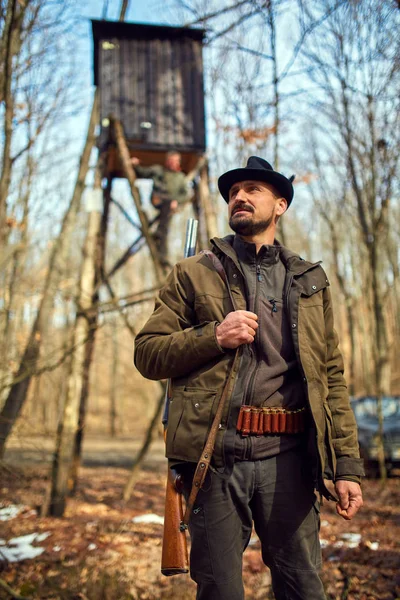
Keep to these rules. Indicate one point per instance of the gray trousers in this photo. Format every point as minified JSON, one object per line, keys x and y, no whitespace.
{"x":277,"y":495}
{"x":161,"y":234}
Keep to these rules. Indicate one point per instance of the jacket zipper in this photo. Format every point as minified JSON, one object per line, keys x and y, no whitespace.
{"x":273,"y":302}
{"x":250,"y":385}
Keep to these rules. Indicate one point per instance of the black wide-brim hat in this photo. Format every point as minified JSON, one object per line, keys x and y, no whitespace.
{"x":257,"y":169}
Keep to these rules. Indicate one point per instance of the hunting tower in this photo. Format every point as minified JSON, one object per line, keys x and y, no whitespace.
{"x":150,"y":79}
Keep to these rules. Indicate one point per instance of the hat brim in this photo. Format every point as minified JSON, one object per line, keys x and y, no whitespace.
{"x":280,"y":182}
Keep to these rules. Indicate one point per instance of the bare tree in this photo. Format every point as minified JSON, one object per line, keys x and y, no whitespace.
{"x":252,"y":83}
{"x":28,"y":34}
{"x":355,"y":69}
{"x":28,"y":362}
{"x":10,"y":46}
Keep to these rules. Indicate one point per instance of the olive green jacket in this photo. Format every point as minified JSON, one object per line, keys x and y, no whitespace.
{"x":167,"y":184}
{"x":178,"y":342}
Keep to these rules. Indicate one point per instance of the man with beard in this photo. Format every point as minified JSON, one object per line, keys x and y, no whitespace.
{"x":286,"y":423}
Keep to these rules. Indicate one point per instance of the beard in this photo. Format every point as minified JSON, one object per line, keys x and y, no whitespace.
{"x":245,"y":224}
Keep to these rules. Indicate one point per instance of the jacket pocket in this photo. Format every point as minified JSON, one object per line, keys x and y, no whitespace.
{"x":312,"y":333}
{"x":212,"y":307}
{"x":190,"y":415}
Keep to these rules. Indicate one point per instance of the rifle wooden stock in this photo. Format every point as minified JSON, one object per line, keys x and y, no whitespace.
{"x":174,"y":558}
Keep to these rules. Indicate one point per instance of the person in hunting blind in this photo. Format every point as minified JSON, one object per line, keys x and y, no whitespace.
{"x":170,"y":190}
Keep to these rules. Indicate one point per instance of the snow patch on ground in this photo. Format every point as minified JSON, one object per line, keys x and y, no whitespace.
{"x":20,"y":548}
{"x":149,"y":518}
{"x":10,"y":512}
{"x":372,"y":545}
{"x":349,"y":540}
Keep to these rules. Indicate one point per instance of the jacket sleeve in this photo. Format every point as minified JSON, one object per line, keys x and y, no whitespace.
{"x":145,"y":172}
{"x":344,"y":431}
{"x":172,"y":343}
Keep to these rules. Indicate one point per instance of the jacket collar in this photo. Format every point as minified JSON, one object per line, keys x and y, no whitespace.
{"x":246,"y":252}
{"x":292,"y":261}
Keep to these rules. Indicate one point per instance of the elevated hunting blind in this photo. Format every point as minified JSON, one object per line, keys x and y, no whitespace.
{"x":150,"y":78}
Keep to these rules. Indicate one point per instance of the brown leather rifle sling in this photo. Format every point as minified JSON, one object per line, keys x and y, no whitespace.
{"x":206,"y":455}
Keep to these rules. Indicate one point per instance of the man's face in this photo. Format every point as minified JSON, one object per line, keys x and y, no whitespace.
{"x":173,"y":162}
{"x":253,"y":207}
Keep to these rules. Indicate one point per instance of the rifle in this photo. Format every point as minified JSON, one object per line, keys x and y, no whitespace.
{"x":174,"y":558}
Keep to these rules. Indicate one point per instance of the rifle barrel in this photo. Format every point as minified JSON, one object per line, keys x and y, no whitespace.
{"x":191,"y":238}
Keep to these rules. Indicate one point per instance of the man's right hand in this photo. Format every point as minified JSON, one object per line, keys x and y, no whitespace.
{"x":238,"y":327}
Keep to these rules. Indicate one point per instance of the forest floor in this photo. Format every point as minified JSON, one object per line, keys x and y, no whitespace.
{"x":99,"y":551}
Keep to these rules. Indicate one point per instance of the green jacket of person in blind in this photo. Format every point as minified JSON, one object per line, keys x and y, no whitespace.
{"x":170,"y":190}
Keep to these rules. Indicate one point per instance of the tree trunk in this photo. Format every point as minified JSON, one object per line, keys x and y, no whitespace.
{"x":8,"y":100}
{"x":382,"y":363}
{"x":351,"y":326}
{"x":92,"y":318}
{"x":276,"y":104}
{"x":11,"y":299}
{"x":205,"y":200}
{"x":77,"y":382}
{"x":146,"y":444}
{"x":114,"y":379}
{"x":124,"y":8}
{"x":19,"y":388}
{"x":80,"y":428}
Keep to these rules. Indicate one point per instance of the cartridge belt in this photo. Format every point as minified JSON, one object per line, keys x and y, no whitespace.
{"x":256,"y":420}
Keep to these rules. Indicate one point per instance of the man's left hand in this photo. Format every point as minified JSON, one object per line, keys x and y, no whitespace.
{"x":350,"y":498}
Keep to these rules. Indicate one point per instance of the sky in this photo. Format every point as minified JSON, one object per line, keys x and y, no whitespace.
{"x":154,"y":11}
{"x":137,"y":11}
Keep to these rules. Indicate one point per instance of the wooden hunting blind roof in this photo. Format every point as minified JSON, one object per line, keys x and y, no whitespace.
{"x":150,"y":77}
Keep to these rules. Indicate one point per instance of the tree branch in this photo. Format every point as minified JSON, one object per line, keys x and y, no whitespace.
{"x":10,"y":591}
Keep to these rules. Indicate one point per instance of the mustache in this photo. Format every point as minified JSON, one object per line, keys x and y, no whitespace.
{"x":242,"y":206}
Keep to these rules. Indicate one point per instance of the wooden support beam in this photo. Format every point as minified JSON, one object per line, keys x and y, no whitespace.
{"x":125,"y":213}
{"x":200,"y":198}
{"x":200,"y":216}
{"x":131,"y":176}
{"x":202,"y":202}
{"x":195,"y":172}
{"x":137,"y":244}
{"x":205,"y":200}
